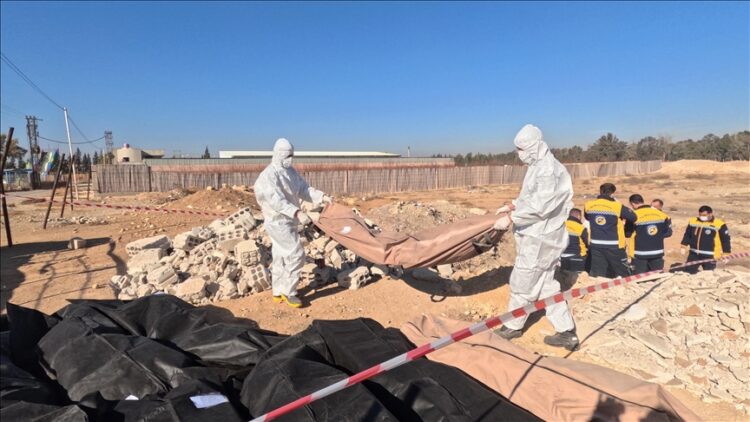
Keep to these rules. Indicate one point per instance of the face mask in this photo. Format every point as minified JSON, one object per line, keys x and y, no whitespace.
{"x":703,"y":218}
{"x":524,"y":156}
{"x":286,"y":162}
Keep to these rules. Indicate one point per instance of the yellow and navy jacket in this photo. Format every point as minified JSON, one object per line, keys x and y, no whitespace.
{"x":648,"y":233}
{"x":605,"y":216}
{"x":578,"y":239}
{"x":707,"y":238}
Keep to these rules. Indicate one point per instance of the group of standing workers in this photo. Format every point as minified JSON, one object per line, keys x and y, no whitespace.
{"x":607,"y":233}
{"x":549,"y":232}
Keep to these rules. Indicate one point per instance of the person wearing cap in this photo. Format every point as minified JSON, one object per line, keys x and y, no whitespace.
{"x":538,"y":218}
{"x":646,"y":236}
{"x":707,"y":237}
{"x":280,"y":191}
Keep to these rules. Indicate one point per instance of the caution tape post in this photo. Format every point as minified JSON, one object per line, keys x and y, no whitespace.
{"x":477,"y":328}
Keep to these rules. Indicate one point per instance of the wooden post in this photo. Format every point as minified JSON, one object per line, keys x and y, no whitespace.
{"x":6,"y":218}
{"x":54,"y":188}
{"x":88,"y":188}
{"x":68,"y":181}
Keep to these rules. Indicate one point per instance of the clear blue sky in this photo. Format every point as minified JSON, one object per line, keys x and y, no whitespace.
{"x":440,"y":77}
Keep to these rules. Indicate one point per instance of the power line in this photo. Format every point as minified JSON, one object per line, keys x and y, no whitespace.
{"x":80,"y":132}
{"x":74,"y":143}
{"x":11,"y":110}
{"x":27,"y":79}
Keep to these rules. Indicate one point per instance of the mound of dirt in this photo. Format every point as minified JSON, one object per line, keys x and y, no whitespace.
{"x":705,"y":167}
{"x":217,"y":200}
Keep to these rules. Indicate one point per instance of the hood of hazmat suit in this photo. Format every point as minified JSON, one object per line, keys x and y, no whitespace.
{"x":539,"y":228}
{"x":279,"y":191}
{"x":544,"y":202}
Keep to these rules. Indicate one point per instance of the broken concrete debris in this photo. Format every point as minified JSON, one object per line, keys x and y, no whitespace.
{"x":230,"y":258}
{"x":696,"y":339}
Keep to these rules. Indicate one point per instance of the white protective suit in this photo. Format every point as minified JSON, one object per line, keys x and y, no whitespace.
{"x":279,"y":191}
{"x":539,"y":228}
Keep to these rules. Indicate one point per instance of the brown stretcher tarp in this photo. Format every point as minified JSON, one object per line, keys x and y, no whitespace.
{"x":552,"y":388}
{"x":437,"y":245}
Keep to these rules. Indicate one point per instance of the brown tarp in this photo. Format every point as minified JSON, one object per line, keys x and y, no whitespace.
{"x":552,"y":388}
{"x":442,"y":244}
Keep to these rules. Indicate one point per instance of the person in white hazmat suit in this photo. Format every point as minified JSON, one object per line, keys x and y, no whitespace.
{"x":279,"y":191}
{"x":538,"y":218}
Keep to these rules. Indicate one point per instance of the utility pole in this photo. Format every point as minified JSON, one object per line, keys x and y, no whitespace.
{"x":34,"y":151}
{"x":108,"y":143}
{"x":70,"y":148}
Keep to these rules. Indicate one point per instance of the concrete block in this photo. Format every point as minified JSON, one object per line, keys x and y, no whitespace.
{"x":335,"y":259}
{"x":257,"y":278}
{"x":145,"y":260}
{"x":203,"y":233}
{"x":243,"y":218}
{"x":247,"y":253}
{"x":77,"y":243}
{"x":162,"y":276}
{"x":155,"y":242}
{"x":355,"y":278}
{"x":307,"y":274}
{"x":192,"y":289}
{"x":203,"y":249}
{"x":186,"y":241}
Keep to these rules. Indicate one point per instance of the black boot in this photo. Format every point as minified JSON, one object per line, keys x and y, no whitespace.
{"x":508,"y":333}
{"x":566,"y":339}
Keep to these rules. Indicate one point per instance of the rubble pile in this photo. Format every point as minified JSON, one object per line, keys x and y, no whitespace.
{"x":230,"y":258}
{"x":690,"y":331}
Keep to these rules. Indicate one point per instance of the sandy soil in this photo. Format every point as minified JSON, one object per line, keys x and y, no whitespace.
{"x":40,"y":272}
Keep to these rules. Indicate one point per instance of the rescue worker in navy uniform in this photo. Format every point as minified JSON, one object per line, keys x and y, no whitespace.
{"x":607,"y":219}
{"x":707,"y":237}
{"x":646,"y":245}
{"x":573,"y":257}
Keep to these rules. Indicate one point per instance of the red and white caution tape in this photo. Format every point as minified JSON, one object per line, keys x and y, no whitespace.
{"x":465,"y":333}
{"x":119,"y":207}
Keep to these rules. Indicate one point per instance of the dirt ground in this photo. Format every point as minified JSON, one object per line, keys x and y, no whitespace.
{"x":41,"y":272}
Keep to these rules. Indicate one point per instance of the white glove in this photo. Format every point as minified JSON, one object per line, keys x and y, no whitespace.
{"x":502,"y":223}
{"x":683,"y":251}
{"x":502,"y":209}
{"x":303,"y":218}
{"x":327,"y":199}
{"x":505,"y":208}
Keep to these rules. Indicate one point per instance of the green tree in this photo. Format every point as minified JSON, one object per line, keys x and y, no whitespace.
{"x":607,"y":148}
{"x":15,"y":153}
{"x":206,"y":153}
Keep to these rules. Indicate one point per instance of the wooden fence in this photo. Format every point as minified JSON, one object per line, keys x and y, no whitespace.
{"x":142,"y":178}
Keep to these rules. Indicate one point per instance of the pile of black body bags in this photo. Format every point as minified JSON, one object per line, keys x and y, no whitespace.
{"x":158,"y":358}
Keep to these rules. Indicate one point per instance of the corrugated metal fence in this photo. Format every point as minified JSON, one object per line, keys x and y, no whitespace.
{"x":142,"y":178}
